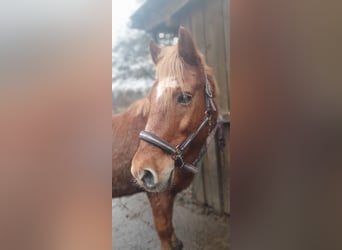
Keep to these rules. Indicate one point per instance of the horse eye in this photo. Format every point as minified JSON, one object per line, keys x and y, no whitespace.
{"x":184,"y":98}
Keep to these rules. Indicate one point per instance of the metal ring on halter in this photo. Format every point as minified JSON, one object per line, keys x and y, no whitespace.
{"x":179,"y":159}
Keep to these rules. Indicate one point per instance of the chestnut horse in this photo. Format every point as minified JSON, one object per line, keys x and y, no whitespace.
{"x":178,"y":110}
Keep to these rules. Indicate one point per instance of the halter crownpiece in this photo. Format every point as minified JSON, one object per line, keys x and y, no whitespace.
{"x":177,"y":152}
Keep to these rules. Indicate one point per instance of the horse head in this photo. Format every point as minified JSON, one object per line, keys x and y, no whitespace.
{"x":180,"y":102}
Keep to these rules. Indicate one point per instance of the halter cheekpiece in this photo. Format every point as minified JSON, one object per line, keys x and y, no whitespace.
{"x":177,"y":152}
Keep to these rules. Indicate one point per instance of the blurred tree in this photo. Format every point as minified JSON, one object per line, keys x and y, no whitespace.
{"x":167,"y":38}
{"x":131,"y":59}
{"x":132,"y":68}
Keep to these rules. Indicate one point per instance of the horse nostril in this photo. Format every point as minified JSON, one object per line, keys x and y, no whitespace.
{"x":148,"y":179}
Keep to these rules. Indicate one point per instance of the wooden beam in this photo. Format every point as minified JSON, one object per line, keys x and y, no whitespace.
{"x":157,"y":13}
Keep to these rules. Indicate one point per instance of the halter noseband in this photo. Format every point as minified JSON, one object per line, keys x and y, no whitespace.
{"x":177,"y":152}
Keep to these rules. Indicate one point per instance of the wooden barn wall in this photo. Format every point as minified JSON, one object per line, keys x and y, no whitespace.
{"x":209,"y":25}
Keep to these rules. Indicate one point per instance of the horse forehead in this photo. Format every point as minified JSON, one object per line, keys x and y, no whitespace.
{"x":165,"y":84}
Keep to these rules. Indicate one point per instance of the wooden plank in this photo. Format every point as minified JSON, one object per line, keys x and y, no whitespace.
{"x":185,"y":20}
{"x":216,"y":49}
{"x":215,"y":55}
{"x":197,"y":26}
{"x":160,"y":12}
{"x":225,"y":156}
{"x":197,"y":31}
{"x":197,"y":185}
{"x":226,"y":27}
{"x":212,"y":179}
{"x":225,"y":171}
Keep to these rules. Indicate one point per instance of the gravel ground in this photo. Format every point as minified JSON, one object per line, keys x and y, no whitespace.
{"x":198,"y":227}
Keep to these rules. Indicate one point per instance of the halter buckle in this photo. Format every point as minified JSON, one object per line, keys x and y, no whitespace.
{"x":177,"y":157}
{"x":179,"y":160}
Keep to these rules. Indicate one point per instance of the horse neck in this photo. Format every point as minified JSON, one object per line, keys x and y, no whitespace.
{"x":135,"y":117}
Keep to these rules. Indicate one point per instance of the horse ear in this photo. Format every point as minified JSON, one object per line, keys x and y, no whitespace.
{"x":154,"y":51}
{"x":186,"y":47}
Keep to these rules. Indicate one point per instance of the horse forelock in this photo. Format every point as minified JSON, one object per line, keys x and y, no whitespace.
{"x":170,"y":73}
{"x":170,"y":65}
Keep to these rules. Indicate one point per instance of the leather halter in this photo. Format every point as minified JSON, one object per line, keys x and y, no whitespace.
{"x":177,"y":152}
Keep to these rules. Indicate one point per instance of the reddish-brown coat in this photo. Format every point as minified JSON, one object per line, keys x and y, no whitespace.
{"x":172,"y":126}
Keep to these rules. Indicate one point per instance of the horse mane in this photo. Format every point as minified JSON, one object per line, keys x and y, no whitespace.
{"x":212,"y":80}
{"x":140,"y":107}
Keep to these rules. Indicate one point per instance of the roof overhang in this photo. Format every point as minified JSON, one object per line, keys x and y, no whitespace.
{"x":158,"y":14}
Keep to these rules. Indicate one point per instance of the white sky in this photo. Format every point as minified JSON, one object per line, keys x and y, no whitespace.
{"x":121,"y":11}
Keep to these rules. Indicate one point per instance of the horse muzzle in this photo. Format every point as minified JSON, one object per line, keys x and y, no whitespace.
{"x":151,"y":181}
